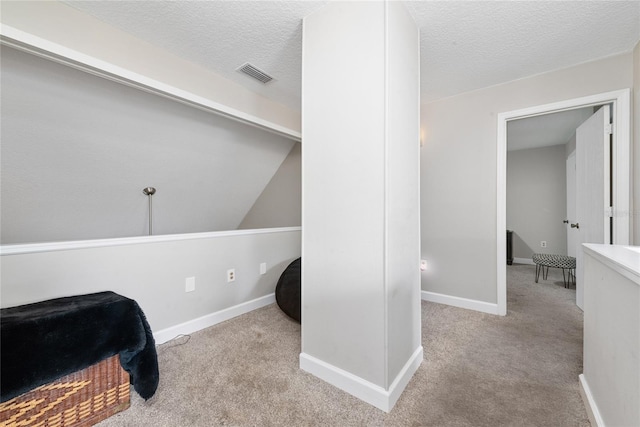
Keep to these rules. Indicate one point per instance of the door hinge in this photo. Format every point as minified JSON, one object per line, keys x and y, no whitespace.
{"x":608,"y":129}
{"x":609,"y":212}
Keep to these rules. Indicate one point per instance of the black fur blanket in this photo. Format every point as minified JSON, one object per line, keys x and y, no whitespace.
{"x":42,"y":342}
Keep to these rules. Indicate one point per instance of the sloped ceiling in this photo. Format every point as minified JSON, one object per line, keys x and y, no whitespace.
{"x":77,"y":151}
{"x":465,"y":45}
{"x":545,"y":130}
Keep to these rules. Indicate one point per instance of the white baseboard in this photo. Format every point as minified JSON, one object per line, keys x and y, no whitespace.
{"x":527,"y":261}
{"x":211,"y":319}
{"x":404,"y":376}
{"x":360,"y":388}
{"x":469,"y":304}
{"x":590,"y":404}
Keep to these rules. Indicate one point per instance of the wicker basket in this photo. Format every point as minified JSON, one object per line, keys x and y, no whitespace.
{"x":83,"y":398}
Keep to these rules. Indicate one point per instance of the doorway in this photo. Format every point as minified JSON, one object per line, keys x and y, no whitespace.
{"x":537,"y":200}
{"x":620,"y":159}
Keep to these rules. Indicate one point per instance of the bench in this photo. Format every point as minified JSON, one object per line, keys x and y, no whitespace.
{"x":544,"y":261}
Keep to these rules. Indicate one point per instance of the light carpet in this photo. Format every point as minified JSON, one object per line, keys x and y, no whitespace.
{"x":478,"y":370}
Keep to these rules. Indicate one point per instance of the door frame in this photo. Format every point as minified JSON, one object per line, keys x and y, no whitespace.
{"x":621,"y":158}
{"x":568,"y":217}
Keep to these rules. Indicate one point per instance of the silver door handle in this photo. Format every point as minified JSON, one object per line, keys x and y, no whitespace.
{"x":566,"y":221}
{"x":576,"y":225}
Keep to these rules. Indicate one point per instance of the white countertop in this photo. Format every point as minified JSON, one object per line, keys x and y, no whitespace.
{"x":624,"y":259}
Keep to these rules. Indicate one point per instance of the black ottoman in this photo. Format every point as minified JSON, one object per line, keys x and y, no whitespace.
{"x":288,"y":294}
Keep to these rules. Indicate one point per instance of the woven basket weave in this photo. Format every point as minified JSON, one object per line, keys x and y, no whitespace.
{"x":81,"y":399}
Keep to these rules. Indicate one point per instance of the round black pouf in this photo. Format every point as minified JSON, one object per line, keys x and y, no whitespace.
{"x":288,"y":294}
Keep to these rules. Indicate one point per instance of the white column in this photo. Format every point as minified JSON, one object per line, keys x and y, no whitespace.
{"x":360,"y":167}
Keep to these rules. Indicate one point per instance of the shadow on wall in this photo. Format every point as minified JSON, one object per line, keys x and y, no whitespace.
{"x":520,"y":247}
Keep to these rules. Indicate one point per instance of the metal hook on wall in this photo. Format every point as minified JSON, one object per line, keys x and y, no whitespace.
{"x":150,"y":191}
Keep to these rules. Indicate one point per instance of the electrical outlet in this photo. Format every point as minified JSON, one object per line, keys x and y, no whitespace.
{"x":543,"y":244}
{"x":263,"y":268}
{"x":231,"y":275}
{"x":190,"y":284}
{"x":423,"y":264}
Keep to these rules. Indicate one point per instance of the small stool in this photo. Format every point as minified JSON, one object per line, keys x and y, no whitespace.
{"x":544,"y":261}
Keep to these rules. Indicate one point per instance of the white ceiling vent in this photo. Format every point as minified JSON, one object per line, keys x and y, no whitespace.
{"x":255,"y":72}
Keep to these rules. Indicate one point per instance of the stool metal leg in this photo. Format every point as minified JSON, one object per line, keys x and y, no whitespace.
{"x":545,"y":272}
{"x":564,"y":280}
{"x":537,"y":272}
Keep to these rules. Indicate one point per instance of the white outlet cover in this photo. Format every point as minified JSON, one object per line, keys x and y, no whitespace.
{"x":231,"y":275}
{"x":263,"y":268}
{"x":423,"y":264}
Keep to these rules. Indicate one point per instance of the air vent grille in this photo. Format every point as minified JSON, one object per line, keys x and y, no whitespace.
{"x":255,"y":72}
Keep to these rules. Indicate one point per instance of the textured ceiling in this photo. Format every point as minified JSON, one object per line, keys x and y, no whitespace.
{"x":474,"y":44}
{"x":221,"y":36}
{"x":465,"y":45}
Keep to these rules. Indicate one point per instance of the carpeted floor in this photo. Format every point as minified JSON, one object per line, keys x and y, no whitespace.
{"x":478,"y":370}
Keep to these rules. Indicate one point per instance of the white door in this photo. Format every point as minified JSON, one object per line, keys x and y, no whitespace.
{"x":572,"y":233}
{"x":593,"y":191}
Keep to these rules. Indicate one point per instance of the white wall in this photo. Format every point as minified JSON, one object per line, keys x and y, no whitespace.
{"x":342,"y":258}
{"x":612,"y":334}
{"x":360,"y":289}
{"x":279,"y":205}
{"x":154,"y":273}
{"x":537,"y":200}
{"x":70,"y":28}
{"x":458,"y":170}
{"x":402,"y":192}
{"x":77,"y":150}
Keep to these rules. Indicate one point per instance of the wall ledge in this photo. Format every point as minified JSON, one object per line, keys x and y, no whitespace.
{"x":30,"y":248}
{"x":624,"y":260}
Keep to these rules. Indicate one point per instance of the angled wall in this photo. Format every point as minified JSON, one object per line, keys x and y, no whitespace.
{"x":279,"y":205}
{"x":77,"y":150}
{"x":68,"y":28}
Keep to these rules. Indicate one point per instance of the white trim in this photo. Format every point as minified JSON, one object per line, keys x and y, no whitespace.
{"x":469,"y":304}
{"x":595,"y":418}
{"x":527,"y":261}
{"x":620,"y":259}
{"x":46,"y":49}
{"x":621,"y":181}
{"x":360,"y":388}
{"x":622,"y":230}
{"x":501,"y":218}
{"x":385,"y":196}
{"x":211,"y":319}
{"x":31,"y":248}
{"x":303,"y":203}
{"x":404,"y":376}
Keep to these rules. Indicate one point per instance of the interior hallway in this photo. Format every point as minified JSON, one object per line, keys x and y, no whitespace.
{"x":479,"y":370}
